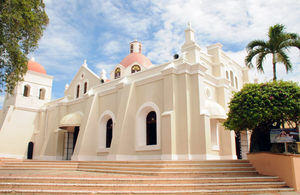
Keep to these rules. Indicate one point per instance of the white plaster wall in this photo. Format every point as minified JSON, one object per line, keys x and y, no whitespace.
{"x":88,"y":76}
{"x":16,"y":133}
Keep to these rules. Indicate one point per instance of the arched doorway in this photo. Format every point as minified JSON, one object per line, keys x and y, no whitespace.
{"x":70,"y":139}
{"x":30,"y":150}
{"x":109,"y":132}
{"x":69,"y":127}
{"x":151,"y":131}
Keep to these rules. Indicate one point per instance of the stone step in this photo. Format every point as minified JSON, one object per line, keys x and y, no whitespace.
{"x":40,"y":166}
{"x":128,"y":180}
{"x":37,"y":168}
{"x":40,"y":163}
{"x":227,"y":162}
{"x":142,"y":161}
{"x":135,"y":177}
{"x":10,"y":159}
{"x":170,"y":173}
{"x":93,"y":186}
{"x":147,"y":169}
{"x":161,"y":165}
{"x":218,"y":191}
{"x":169,"y":169}
{"x":84,"y":165}
{"x":133,"y":163}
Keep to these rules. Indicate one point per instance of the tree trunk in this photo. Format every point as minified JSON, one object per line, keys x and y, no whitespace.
{"x":274,"y":67}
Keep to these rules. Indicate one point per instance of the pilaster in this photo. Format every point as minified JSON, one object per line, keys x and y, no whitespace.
{"x":168,"y":117}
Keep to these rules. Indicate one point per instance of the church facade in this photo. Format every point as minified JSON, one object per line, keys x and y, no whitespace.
{"x":171,"y":111}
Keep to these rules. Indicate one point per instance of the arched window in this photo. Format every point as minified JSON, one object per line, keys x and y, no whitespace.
{"x":231,"y":79}
{"x":85,"y":88}
{"x":151,"y":133}
{"x":135,"y":68}
{"x":147,"y":127}
{"x":26,"y":91}
{"x":105,"y":131}
{"x":227,"y":75}
{"x":109,"y":132}
{"x":42,"y":94}
{"x":117,"y":73}
{"x":236,"y":83}
{"x":77,"y":91}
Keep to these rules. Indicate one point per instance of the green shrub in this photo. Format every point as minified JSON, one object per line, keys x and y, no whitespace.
{"x":261,"y":107}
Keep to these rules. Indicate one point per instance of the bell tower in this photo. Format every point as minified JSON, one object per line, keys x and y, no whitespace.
{"x":190,"y":48}
{"x":135,"y":47}
{"x":189,"y":34}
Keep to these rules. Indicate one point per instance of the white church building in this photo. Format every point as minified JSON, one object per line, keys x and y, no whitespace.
{"x":171,"y":111}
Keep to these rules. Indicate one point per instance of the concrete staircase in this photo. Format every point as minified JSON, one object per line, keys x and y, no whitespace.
{"x":135,"y":177}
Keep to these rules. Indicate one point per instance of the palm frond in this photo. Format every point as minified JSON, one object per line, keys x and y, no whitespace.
{"x":256,"y":43}
{"x":293,"y":35}
{"x":278,"y":44}
{"x":251,"y":54}
{"x":284,"y":58}
{"x":275,"y":30}
{"x":259,"y":61}
{"x":290,"y":43}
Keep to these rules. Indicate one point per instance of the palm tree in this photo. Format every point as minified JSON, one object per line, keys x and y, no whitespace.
{"x":278,"y":44}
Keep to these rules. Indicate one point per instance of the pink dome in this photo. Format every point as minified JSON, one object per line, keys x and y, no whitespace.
{"x":135,"y":58}
{"x":36,"y":67}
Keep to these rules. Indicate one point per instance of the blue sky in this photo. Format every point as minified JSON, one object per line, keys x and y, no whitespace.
{"x":100,"y":31}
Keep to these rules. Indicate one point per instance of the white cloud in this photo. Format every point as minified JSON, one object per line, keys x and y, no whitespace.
{"x":232,"y":23}
{"x":134,"y":21}
{"x":60,"y":44}
{"x":164,"y":45}
{"x":106,"y":66}
{"x":112,"y":48}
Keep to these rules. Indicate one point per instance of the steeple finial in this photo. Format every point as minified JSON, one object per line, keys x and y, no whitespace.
{"x":84,"y":63}
{"x":189,"y":25}
{"x":103,"y":75}
{"x":66,"y":86}
{"x":189,"y":34}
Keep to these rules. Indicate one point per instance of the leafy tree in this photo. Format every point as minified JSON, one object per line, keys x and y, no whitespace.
{"x":22,"y":23}
{"x":258,"y":107}
{"x":278,"y":44}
